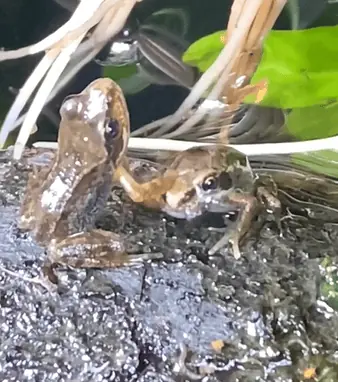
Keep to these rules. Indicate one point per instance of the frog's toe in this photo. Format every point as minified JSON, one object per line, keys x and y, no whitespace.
{"x":219,"y":245}
{"x":225,"y":240}
{"x":49,"y":274}
{"x":235,"y":247}
{"x":142,"y":257}
{"x":94,"y":249}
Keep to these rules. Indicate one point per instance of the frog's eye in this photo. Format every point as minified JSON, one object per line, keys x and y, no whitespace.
{"x":112,"y":128}
{"x":210,"y":183}
{"x":213,"y":182}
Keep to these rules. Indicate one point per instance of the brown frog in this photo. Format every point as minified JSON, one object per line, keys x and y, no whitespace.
{"x":214,"y":178}
{"x":62,"y":201}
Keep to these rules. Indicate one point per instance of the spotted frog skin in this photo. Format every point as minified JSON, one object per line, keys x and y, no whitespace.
{"x":63,"y":200}
{"x":219,"y":179}
{"x":213,"y":178}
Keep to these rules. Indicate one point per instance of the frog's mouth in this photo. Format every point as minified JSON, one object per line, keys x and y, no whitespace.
{"x":218,"y":202}
{"x":184,"y":213}
{"x":192,"y":212}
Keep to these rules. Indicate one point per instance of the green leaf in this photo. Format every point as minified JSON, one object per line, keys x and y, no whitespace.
{"x":314,"y":122}
{"x":322,"y":162}
{"x":203,"y":52}
{"x":118,"y":72}
{"x":134,"y":84}
{"x":300,"y":65}
{"x":128,"y":77}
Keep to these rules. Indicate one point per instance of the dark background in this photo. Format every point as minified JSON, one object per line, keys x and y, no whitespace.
{"x":25,"y":22}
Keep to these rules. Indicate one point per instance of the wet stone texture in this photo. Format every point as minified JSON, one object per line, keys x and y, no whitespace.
{"x":186,"y":317}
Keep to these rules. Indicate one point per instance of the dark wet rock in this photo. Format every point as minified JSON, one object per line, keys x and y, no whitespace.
{"x":158,"y":322}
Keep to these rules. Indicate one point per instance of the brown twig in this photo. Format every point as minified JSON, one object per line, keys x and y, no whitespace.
{"x":237,"y":88}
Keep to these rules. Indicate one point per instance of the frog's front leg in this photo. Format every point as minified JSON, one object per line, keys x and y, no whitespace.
{"x":149,"y":193}
{"x":248,"y":207}
{"x":94,"y":249}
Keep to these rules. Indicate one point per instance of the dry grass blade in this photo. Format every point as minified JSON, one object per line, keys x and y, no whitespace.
{"x":236,"y":86}
{"x":82,"y":14}
{"x":232,"y":89}
{"x":221,"y":67}
{"x":107,"y":16}
{"x":40,"y":98}
{"x":250,"y":21}
{"x":23,"y":96}
{"x":227,"y":79}
{"x":158,"y":144}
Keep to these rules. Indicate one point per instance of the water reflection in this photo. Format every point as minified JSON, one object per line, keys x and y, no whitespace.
{"x":155,"y":47}
{"x":303,"y":186}
{"x":306,"y":192}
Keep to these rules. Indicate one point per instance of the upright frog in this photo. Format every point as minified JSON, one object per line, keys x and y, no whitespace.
{"x":62,"y":201}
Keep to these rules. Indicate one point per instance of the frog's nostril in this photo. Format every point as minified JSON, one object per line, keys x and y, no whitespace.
{"x":188,"y":196}
{"x":71,"y":107}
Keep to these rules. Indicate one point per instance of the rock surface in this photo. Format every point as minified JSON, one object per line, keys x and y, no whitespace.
{"x":186,"y":317}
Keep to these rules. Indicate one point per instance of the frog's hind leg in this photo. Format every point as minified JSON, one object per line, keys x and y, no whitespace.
{"x":94,"y":249}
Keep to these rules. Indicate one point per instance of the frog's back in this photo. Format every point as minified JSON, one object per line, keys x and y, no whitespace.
{"x":207,"y":157}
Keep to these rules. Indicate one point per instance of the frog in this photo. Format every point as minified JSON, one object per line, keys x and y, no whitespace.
{"x":212,"y":178}
{"x":63,"y":200}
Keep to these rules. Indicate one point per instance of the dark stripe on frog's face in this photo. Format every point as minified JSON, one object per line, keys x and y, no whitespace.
{"x":213,"y":182}
{"x":188,"y":196}
{"x":225,"y":180}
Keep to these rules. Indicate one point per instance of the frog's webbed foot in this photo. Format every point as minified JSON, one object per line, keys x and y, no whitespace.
{"x":37,"y":280}
{"x":242,"y":224}
{"x":94,"y":249}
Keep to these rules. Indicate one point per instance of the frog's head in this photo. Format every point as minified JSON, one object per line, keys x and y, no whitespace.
{"x":95,"y":123}
{"x":196,"y":192}
{"x":197,"y":189}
